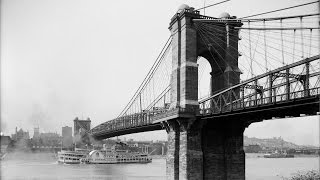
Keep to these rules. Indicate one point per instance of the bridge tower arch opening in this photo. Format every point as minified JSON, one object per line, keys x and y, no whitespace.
{"x":204,"y":78}
{"x":217,"y":42}
{"x":203,"y":149}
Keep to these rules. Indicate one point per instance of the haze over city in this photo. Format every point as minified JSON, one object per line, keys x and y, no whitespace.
{"x":66,"y":59}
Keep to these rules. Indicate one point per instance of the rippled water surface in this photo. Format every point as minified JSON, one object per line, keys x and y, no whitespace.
{"x":44,"y":166}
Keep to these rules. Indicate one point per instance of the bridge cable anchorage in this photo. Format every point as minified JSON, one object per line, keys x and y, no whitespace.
{"x":291,"y":7}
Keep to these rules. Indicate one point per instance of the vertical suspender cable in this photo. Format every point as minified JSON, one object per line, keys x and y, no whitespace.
{"x":265,"y":46}
{"x":302,"y":48}
{"x":282,"y":53}
{"x":294,"y":44}
{"x":140,"y":102}
{"x":310,"y":42}
{"x":204,"y":7}
{"x":153,"y":96}
{"x":250,"y":50}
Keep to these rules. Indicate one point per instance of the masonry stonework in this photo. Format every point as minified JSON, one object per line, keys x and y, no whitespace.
{"x":223,"y":153}
{"x":198,"y":148}
{"x":190,"y":155}
{"x":172,"y":159}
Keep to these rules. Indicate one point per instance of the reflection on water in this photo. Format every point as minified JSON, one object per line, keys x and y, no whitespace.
{"x":44,"y":166}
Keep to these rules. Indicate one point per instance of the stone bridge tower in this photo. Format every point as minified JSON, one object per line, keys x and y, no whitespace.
{"x":203,"y":148}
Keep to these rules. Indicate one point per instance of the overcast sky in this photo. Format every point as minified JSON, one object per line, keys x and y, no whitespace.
{"x":62,"y":59}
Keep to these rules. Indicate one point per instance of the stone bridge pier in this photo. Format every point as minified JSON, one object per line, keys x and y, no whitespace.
{"x":203,"y":148}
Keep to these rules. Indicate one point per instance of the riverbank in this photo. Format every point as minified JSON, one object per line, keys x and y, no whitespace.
{"x":260,"y":155}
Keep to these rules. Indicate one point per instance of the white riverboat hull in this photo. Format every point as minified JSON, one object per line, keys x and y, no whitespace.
{"x":71,"y":157}
{"x":99,"y":157}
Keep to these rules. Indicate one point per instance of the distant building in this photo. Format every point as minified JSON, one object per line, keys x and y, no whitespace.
{"x":36,"y":133}
{"x":5,"y":141}
{"x":45,"y":141}
{"x":67,"y":137}
{"x":50,"y":139}
{"x":20,"y":135}
{"x":20,"y":140}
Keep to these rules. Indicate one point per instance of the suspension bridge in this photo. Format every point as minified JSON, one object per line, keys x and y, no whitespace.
{"x":260,"y":69}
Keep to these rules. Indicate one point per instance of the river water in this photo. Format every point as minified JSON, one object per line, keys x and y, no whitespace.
{"x":44,"y":167}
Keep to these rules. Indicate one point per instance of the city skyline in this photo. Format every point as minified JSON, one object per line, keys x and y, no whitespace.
{"x":137,"y":138}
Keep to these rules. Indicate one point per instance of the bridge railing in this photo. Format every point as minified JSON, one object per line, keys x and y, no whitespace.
{"x":206,"y":108}
{"x":131,"y":121}
{"x":279,"y":85}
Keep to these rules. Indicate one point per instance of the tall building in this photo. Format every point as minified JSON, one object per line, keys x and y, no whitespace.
{"x":67,"y":137}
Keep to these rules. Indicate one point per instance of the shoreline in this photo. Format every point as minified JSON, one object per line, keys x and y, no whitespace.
{"x":260,"y":155}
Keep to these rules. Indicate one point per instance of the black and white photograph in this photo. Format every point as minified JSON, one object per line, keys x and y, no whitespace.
{"x":160,"y":90}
